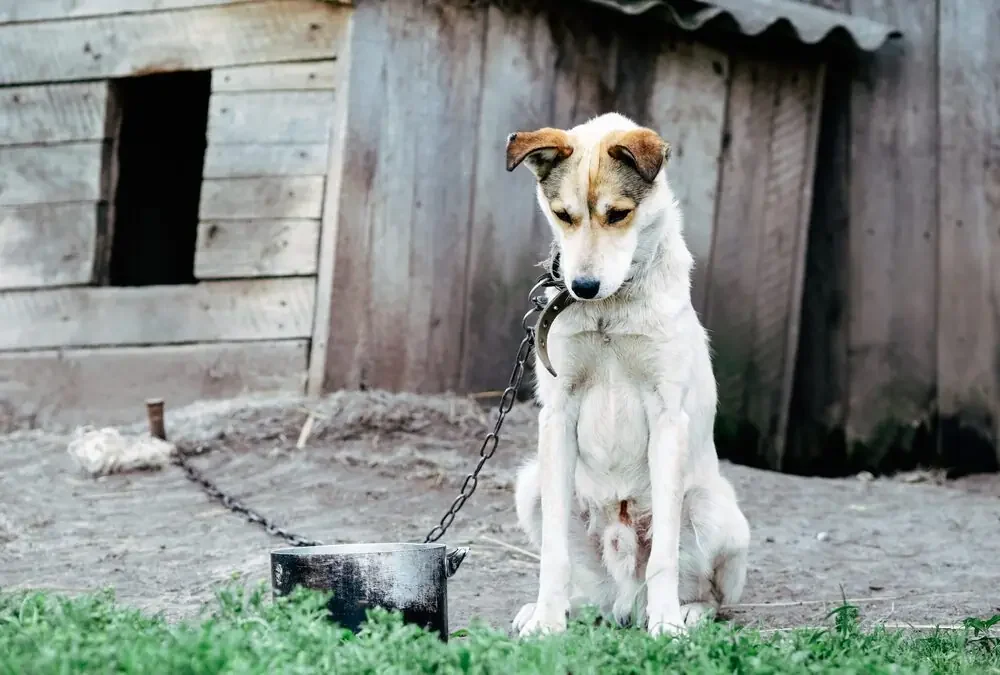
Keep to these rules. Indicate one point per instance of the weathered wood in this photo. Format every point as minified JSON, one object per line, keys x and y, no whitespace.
{"x":803,"y":113}
{"x":47,"y":245}
{"x":817,"y":413}
{"x":256,"y":248}
{"x":968,"y":309}
{"x":270,"y":117}
{"x":760,"y":238}
{"x":316,"y":381}
{"x":894,"y":227}
{"x":194,"y":39}
{"x":687,"y":106}
{"x":53,"y":113}
{"x":50,"y":174}
{"x":507,"y":234}
{"x":37,"y":10}
{"x":730,"y":300}
{"x":284,"y":197}
{"x":265,"y":309}
{"x":327,"y":74}
{"x":400,"y":268}
{"x":248,"y":160}
{"x":107,"y":386}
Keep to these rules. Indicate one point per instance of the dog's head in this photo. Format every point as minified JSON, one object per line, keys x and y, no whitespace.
{"x":602,"y":188}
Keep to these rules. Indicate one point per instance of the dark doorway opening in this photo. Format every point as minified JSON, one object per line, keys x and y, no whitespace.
{"x":160,"y":151}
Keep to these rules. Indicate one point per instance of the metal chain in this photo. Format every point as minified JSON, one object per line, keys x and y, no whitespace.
{"x":548,"y":280}
{"x":487,"y":449}
{"x":235,"y":505}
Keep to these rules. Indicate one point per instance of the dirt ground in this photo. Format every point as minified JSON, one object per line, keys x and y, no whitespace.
{"x":384,"y":467}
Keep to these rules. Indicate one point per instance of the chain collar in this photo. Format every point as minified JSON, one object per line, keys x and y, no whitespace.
{"x":549,"y":311}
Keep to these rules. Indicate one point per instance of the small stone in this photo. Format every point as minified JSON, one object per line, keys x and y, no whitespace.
{"x":822,"y":536}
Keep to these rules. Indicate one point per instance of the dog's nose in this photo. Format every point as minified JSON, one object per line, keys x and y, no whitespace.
{"x":585,"y":287}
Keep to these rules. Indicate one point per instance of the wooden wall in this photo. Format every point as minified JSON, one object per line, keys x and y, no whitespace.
{"x":437,"y":244}
{"x":900,"y":361}
{"x":76,"y":351}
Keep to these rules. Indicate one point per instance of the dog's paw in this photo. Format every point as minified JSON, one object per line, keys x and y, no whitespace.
{"x":535,"y":619}
{"x":665,"y":623}
{"x":694,"y":612}
{"x":522,"y":617}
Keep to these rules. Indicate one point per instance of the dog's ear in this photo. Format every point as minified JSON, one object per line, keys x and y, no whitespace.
{"x":540,"y":150}
{"x":643,"y":150}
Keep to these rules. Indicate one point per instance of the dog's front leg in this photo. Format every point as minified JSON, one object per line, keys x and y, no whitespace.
{"x":557,"y":453}
{"x":668,"y":447}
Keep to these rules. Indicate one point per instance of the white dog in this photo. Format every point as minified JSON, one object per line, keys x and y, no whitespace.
{"x":625,"y":499}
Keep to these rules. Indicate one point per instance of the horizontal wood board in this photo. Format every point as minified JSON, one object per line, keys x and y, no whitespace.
{"x":256,"y":248}
{"x":47,"y":245}
{"x":194,"y":39}
{"x":221,"y":311}
{"x":108,"y":386}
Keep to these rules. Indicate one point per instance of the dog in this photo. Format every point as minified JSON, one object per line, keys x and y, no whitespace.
{"x":624,"y":499}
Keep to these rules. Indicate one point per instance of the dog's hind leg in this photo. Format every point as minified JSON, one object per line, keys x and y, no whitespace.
{"x":591,"y":585}
{"x":714,"y":545}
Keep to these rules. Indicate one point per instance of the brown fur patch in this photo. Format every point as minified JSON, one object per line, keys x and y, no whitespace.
{"x":623,"y":514}
{"x":641,"y":149}
{"x":553,"y":143}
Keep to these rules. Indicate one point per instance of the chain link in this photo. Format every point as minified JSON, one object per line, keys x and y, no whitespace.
{"x":489,"y":445}
{"x":486,"y":450}
{"x":235,"y":505}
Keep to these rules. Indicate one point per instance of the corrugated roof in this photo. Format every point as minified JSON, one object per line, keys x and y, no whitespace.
{"x":795,"y":19}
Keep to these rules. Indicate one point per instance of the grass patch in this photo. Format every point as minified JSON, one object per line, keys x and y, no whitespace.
{"x":244,"y":632}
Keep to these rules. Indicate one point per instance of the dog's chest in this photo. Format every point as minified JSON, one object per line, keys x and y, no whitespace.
{"x":609,"y":371}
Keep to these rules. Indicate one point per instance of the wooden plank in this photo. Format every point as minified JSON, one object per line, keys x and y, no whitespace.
{"x":893,"y":231}
{"x":37,"y":10}
{"x":400,"y":268}
{"x":688,"y":108}
{"x":53,"y":113}
{"x":968,"y":361}
{"x":270,"y":117}
{"x":107,"y":386}
{"x":194,"y":39}
{"x":731,"y":295}
{"x":759,"y":253}
{"x":283,"y":197}
{"x":508,"y":236}
{"x":251,"y":160}
{"x":797,"y":123}
{"x":256,"y":248}
{"x":327,"y":74}
{"x":319,"y":346}
{"x":50,"y":174}
{"x":47,"y":245}
{"x":263,"y":309}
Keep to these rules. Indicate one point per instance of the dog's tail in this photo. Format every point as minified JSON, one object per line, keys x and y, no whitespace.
{"x":528,"y":501}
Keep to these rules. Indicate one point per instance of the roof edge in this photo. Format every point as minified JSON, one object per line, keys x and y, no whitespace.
{"x":802,"y":22}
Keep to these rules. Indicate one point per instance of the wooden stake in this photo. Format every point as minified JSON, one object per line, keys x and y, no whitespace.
{"x":154,"y":414}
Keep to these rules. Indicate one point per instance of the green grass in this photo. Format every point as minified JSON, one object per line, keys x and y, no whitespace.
{"x":244,"y":632}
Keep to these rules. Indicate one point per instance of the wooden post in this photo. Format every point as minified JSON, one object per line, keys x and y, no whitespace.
{"x":154,"y":414}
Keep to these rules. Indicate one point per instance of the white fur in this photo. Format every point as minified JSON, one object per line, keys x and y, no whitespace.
{"x":630,"y":418}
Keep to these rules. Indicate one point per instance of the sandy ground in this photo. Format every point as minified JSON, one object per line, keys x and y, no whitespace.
{"x":382,"y":467}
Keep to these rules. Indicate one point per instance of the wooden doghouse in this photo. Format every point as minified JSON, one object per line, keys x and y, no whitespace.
{"x":352,"y":224}
{"x":163,"y":185}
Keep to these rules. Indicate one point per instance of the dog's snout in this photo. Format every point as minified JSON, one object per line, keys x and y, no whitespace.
{"x":585,"y":287}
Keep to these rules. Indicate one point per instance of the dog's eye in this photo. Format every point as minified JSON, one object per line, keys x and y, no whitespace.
{"x":617,"y":215}
{"x":563,"y":216}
